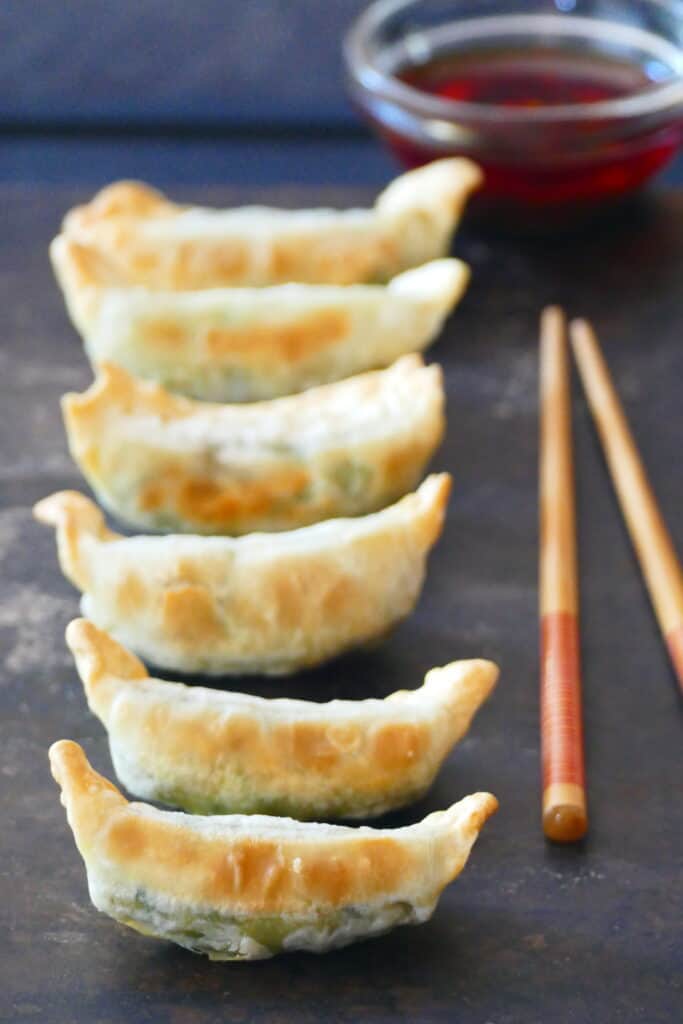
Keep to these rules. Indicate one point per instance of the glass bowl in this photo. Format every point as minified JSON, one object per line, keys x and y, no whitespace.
{"x":544,"y":160}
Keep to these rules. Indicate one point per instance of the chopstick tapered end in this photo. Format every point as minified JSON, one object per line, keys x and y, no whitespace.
{"x":674,"y":642}
{"x":553,"y":315}
{"x":582,"y":336}
{"x":565,"y":819}
{"x":553,"y":326}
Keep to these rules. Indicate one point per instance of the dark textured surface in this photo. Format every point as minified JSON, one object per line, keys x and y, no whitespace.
{"x":530,"y":933}
{"x":211,"y":92}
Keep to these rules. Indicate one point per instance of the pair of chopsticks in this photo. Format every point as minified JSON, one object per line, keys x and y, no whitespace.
{"x":565,"y":817}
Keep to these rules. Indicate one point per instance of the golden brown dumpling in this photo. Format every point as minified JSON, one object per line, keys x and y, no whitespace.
{"x":270,"y":603}
{"x":162,"y":462}
{"x":156,"y":243}
{"x":216,"y":751}
{"x":247,"y":344}
{"x":246,"y":887}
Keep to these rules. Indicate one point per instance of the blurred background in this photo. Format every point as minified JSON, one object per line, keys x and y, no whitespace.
{"x":211,"y":91}
{"x":235,"y":91}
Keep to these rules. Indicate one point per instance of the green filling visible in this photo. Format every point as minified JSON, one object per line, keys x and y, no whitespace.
{"x":193,"y":930}
{"x":194,"y":804}
{"x":164,"y":522}
{"x":352,"y":478}
{"x":227,"y":384}
{"x":302,"y":497}
{"x":141,"y":902}
{"x":270,"y":932}
{"x":280,"y":448}
{"x":206,"y":932}
{"x":282,"y":807}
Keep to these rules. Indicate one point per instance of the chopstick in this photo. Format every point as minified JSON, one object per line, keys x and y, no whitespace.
{"x":650,"y":537}
{"x":564,"y":794}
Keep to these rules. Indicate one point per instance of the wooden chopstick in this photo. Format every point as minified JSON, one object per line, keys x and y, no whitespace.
{"x":564,"y":792}
{"x":650,"y":537}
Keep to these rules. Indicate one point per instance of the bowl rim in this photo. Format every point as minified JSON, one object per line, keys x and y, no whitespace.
{"x":657,"y":99}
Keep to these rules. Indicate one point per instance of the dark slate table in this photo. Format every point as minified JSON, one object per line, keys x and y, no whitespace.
{"x":531,"y":932}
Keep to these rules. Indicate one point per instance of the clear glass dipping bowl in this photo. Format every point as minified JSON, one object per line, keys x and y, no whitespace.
{"x":544,"y":163}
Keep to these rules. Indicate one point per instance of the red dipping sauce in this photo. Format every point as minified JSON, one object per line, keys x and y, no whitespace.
{"x":531,"y":79}
{"x":563,"y":111}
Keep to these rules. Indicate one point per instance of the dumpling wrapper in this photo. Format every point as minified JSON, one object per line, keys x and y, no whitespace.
{"x":162,"y":462}
{"x":270,"y":603}
{"x":246,"y":887}
{"x":246,"y":344}
{"x":217,"y":752}
{"x":156,"y":243}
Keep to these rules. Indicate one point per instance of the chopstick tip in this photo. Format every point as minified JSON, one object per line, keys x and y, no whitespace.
{"x":553,"y":314}
{"x":581,"y":332}
{"x":564,"y":820}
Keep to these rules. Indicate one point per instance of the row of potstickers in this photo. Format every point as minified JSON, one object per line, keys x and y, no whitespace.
{"x":314,"y":319}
